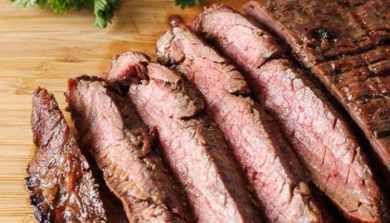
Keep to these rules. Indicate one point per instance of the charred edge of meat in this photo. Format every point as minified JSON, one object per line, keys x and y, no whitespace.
{"x":56,"y":145}
{"x":41,"y":211}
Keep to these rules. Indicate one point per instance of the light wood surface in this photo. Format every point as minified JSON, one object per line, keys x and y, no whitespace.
{"x":38,"y":48}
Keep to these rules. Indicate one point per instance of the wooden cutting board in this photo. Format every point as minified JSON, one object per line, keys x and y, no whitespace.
{"x":38,"y":48}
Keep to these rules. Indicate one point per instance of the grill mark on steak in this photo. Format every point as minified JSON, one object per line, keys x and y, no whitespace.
{"x":370,"y":25}
{"x":121,"y":146}
{"x":194,"y":147}
{"x":372,"y":87}
{"x":60,"y":182}
{"x":380,"y":68}
{"x":345,"y":26}
{"x":266,"y":158}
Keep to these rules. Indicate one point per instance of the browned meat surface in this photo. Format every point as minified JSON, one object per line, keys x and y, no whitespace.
{"x":269,"y":163}
{"x":121,"y":146}
{"x":318,"y":133}
{"x":60,"y":182}
{"x":125,"y":64}
{"x":194,"y":147}
{"x":345,"y":44}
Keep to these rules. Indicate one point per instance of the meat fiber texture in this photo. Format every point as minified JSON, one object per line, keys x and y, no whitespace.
{"x":60,"y":182}
{"x":319,"y":135}
{"x":268,"y":161}
{"x":194,"y":147}
{"x":345,"y":45}
{"x":121,"y":146}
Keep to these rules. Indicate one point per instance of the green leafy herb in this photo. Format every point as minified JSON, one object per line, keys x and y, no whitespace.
{"x":103,"y":9}
{"x":189,"y":3}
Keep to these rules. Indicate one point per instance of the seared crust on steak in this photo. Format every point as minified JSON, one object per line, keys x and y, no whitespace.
{"x":60,"y":182}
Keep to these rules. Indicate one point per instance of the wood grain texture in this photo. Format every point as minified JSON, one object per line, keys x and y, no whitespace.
{"x":38,"y":48}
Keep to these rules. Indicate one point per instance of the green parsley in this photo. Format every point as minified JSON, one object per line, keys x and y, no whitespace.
{"x":189,"y":3}
{"x":103,"y":9}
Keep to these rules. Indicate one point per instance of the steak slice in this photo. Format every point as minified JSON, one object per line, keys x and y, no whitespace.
{"x":60,"y":182}
{"x":194,"y":147}
{"x":263,"y":153}
{"x":345,"y":45}
{"x":335,"y":161}
{"x":121,"y":146}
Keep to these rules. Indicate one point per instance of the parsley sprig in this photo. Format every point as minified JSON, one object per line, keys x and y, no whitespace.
{"x":189,"y":3}
{"x":103,"y":9}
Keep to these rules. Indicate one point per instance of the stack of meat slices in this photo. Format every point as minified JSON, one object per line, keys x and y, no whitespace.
{"x":194,"y":139}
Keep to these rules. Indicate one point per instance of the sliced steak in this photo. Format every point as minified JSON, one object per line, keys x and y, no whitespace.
{"x":266,"y":158}
{"x":345,"y":44}
{"x":335,"y":161}
{"x":60,"y":182}
{"x":121,"y":146}
{"x":194,"y":147}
